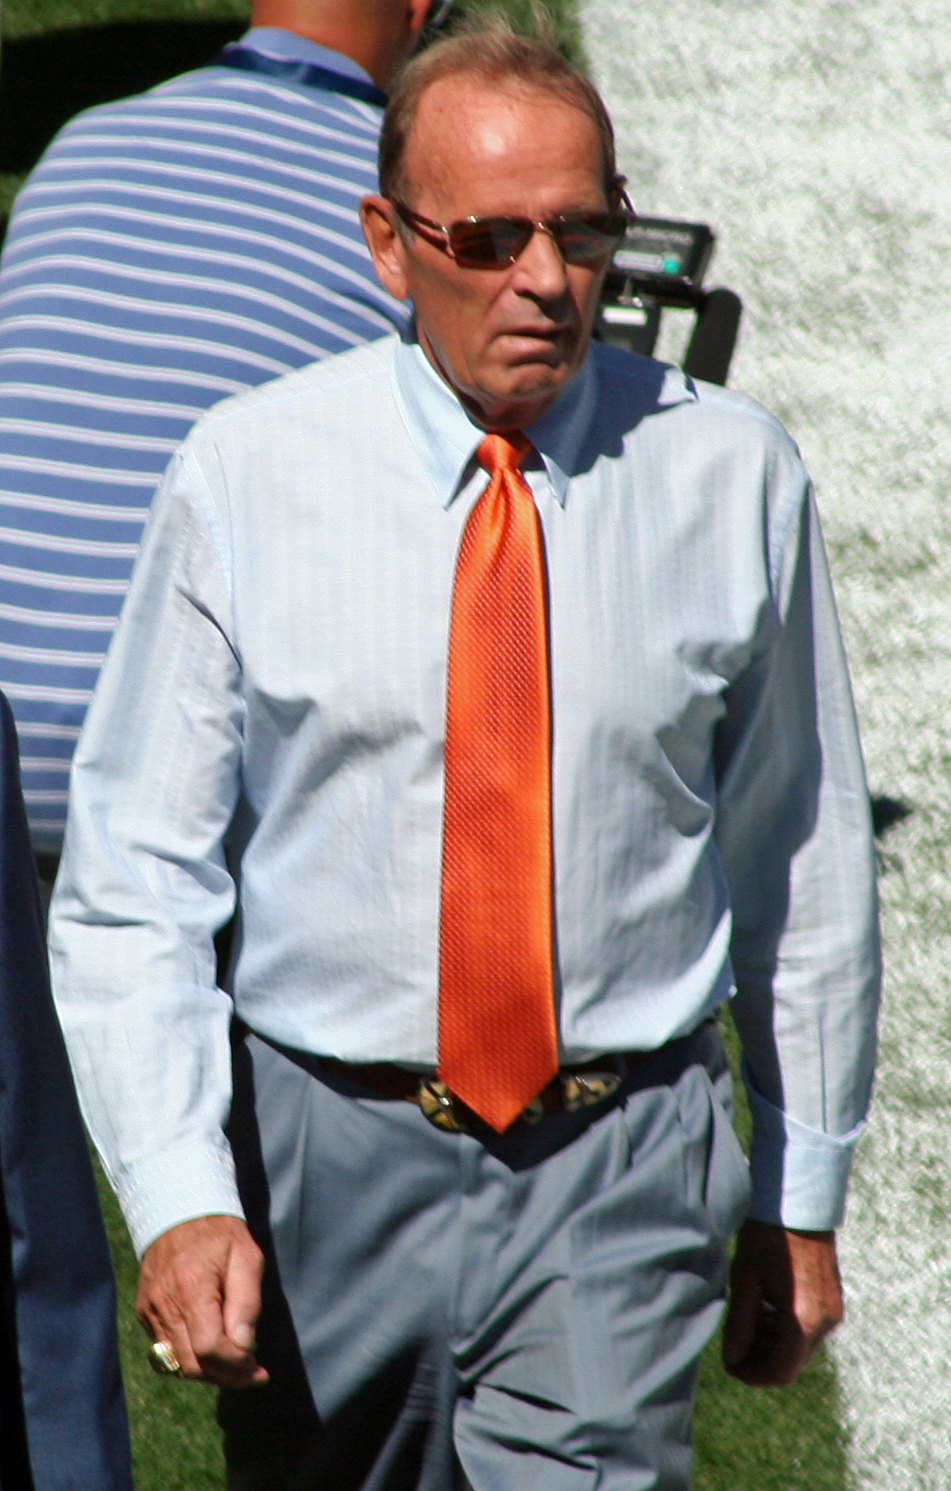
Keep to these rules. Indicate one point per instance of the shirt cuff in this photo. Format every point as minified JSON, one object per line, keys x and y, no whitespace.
{"x":800,"y":1175}
{"x":195,"y":1180}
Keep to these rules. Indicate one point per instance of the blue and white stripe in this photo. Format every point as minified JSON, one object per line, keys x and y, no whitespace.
{"x":168,"y":251}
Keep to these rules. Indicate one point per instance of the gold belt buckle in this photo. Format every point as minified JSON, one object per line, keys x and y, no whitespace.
{"x":439,"y":1106}
{"x":584,"y":1089}
{"x":578,"y":1090}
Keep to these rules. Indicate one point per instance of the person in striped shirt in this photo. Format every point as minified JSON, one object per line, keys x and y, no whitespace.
{"x":167,"y":251}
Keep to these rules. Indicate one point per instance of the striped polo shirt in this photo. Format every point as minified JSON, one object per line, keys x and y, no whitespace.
{"x":168,"y":250}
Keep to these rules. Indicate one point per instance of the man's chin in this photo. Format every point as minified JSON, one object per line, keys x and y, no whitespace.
{"x":530,"y":383}
{"x":531,"y":357}
{"x":515,"y":407}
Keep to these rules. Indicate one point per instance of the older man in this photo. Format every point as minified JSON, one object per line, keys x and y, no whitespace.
{"x":522,"y":779}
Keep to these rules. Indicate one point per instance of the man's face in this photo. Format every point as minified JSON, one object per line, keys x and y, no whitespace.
{"x":507,"y":340}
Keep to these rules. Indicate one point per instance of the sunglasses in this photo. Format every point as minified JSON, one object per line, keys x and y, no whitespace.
{"x":438,"y":14}
{"x":495,"y":242}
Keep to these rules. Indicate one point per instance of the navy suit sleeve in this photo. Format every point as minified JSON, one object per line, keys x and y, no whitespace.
{"x":62,"y":1402}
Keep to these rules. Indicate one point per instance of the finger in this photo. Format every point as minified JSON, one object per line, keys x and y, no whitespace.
{"x":217,"y":1359}
{"x":242,"y":1295}
{"x":164,"y":1323}
{"x":229,"y":1360}
{"x":790,"y":1349}
{"x":222,"y":1366}
{"x":235,"y":1375}
{"x":183,"y":1306}
{"x":743,"y":1316}
{"x":776,"y":1353}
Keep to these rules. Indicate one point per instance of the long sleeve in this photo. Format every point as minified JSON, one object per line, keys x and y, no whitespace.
{"x":278,"y":676}
{"x":794,"y":833}
{"x":144,"y":884}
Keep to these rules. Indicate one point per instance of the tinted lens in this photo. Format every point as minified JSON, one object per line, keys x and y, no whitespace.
{"x":489,"y":242}
{"x":590,"y":236}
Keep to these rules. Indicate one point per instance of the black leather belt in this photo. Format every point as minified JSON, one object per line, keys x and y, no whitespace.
{"x":574,"y":1088}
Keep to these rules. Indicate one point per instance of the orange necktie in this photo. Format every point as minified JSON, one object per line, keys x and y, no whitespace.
{"x":498,"y":1043}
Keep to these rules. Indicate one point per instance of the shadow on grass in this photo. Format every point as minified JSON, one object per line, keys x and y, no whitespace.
{"x":887,"y":812}
{"x":769,"y":1439}
{"x":48,"y":78}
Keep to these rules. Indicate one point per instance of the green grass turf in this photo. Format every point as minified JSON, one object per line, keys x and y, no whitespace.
{"x":9,"y":186}
{"x":28,"y":17}
{"x":788,"y":1440}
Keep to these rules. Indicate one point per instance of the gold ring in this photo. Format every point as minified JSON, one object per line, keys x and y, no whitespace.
{"x":163,"y":1360}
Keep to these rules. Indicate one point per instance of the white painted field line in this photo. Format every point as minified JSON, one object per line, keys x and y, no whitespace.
{"x":816,"y":138}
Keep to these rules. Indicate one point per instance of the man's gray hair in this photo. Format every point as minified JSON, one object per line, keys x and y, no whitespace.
{"x":491,"y":50}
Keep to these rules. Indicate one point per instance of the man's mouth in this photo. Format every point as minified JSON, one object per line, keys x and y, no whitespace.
{"x":531,"y":343}
{"x":545,"y":331}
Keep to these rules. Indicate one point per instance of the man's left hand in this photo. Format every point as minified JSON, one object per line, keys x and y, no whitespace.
{"x":785,"y":1295}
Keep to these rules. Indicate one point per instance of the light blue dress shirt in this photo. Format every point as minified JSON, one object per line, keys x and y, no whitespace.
{"x":278,"y":675}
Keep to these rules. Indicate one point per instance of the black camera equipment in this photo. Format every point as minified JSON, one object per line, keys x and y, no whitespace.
{"x":661,"y":262}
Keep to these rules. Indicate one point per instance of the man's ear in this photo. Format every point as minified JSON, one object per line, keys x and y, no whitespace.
{"x":416,"y":13}
{"x":387,"y":249}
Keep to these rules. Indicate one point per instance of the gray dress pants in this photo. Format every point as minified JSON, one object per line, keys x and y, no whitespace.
{"x":514,"y":1313}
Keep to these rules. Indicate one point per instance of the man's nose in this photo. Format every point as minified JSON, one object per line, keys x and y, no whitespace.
{"x":541,"y":268}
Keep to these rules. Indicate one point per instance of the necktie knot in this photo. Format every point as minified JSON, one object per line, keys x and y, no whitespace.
{"x":503,"y":452}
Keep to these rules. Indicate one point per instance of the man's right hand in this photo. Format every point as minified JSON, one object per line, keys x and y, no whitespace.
{"x":200,"y":1290}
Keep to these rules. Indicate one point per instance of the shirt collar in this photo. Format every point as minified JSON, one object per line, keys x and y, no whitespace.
{"x":275,"y":41}
{"x":446,"y":437}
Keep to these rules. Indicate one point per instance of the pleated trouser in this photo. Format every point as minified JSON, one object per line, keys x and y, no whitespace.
{"x":520,"y":1314}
